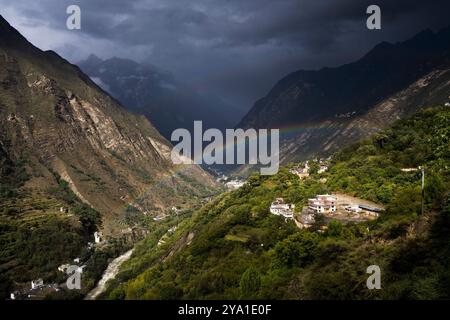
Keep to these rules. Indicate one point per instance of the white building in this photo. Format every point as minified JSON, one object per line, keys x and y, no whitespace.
{"x":301,"y":171}
{"x":234,"y":184}
{"x":173,"y":229}
{"x":371,"y":211}
{"x":63,"y":267}
{"x":323,"y":203}
{"x":98,"y":237}
{"x":175,"y":210}
{"x":409,"y":169}
{"x":353,"y":209}
{"x":35,"y":284}
{"x":280,"y":208}
{"x":322,"y":168}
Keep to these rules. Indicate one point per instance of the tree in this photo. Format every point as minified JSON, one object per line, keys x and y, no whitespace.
{"x":297,"y":249}
{"x":89,"y":218}
{"x":250,"y":283}
{"x":319,"y":221}
{"x":407,"y":201}
{"x":313,"y":167}
{"x":334,"y":228}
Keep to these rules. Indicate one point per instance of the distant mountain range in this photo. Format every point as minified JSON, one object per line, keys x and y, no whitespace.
{"x":148,"y":90}
{"x":319,"y":111}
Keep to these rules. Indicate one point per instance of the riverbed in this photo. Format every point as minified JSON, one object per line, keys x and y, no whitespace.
{"x":110,"y":273}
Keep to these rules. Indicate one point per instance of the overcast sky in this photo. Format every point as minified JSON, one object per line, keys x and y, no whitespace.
{"x":235,"y":48}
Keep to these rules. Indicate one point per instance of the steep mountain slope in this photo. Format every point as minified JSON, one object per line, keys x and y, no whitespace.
{"x":318,"y":111}
{"x":233,"y":248}
{"x":168,"y":103}
{"x":324,"y":137}
{"x":68,"y":129}
{"x":73,"y":161}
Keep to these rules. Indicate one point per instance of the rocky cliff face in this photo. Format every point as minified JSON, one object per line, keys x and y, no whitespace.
{"x":318,"y":111}
{"x":63,"y":124}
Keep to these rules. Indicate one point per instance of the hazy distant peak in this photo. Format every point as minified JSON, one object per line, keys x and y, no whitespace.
{"x":93,"y":58}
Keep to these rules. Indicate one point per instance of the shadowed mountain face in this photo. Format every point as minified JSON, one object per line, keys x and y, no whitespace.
{"x":147,"y":90}
{"x":320,"y":110}
{"x":60,"y":125}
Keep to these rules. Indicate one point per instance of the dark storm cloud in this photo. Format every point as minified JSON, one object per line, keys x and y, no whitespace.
{"x":234,"y":48}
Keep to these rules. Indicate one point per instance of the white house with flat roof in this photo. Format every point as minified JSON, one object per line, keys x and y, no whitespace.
{"x":234,"y":184}
{"x":280,"y":208}
{"x":35,"y":284}
{"x":323,"y":203}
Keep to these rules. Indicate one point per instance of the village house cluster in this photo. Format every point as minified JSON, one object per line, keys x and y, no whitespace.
{"x":323,"y":165}
{"x":280,"y":208}
{"x":322,"y":168}
{"x":38,"y":289}
{"x":303,"y":170}
{"x":346,"y":209}
{"x":287,"y":210}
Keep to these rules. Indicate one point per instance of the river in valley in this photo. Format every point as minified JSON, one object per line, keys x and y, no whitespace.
{"x":110,"y":273}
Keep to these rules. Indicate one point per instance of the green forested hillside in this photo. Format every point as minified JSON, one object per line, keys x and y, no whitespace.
{"x":36,"y":237}
{"x":234,"y":248}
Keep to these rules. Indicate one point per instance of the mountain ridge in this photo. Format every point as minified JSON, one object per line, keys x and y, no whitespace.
{"x":314,"y":103}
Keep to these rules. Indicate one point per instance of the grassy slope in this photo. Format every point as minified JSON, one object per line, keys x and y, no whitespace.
{"x":239,"y":250}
